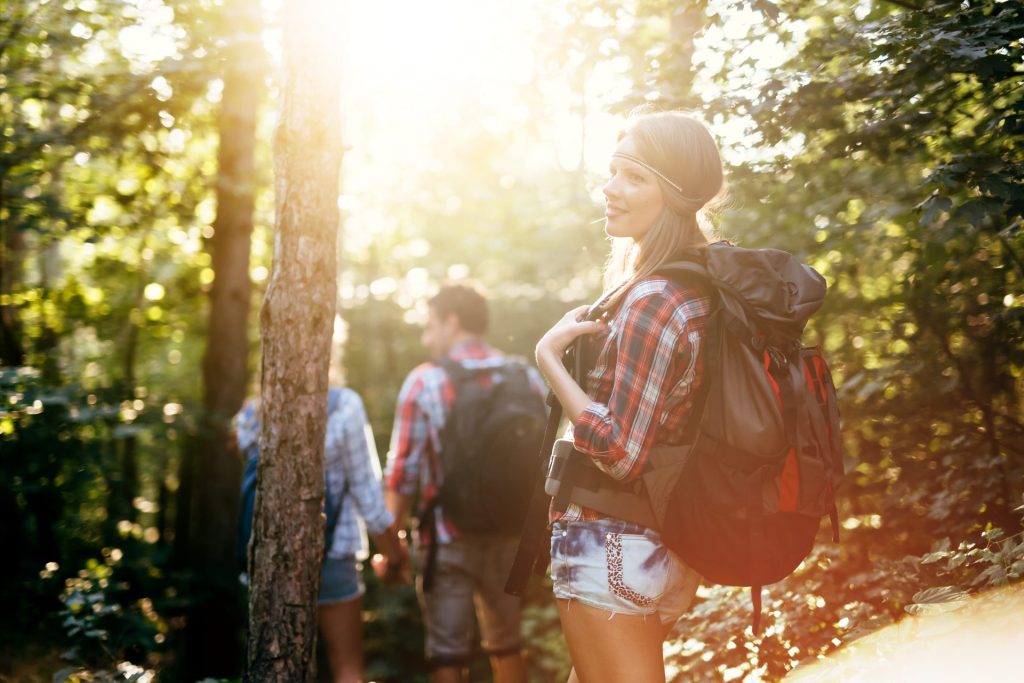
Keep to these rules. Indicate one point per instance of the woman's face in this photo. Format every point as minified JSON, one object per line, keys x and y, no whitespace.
{"x":632,"y":195}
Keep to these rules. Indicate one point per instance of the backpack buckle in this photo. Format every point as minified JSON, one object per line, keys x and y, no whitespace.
{"x":778,"y":358}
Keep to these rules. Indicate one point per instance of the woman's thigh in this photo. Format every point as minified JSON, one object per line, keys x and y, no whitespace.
{"x":612,"y":648}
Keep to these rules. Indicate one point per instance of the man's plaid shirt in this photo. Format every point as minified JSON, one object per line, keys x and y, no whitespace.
{"x":424,"y":401}
{"x":642,"y":385}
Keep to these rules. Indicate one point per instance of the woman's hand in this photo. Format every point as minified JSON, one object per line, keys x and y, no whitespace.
{"x":556,"y":340}
{"x":550,"y":349}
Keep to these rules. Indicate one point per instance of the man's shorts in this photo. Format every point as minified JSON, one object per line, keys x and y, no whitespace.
{"x":620,"y":567}
{"x":471,"y":572}
{"x":341,"y":580}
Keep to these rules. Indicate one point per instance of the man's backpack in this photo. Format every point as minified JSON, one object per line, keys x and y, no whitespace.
{"x":741,"y":500}
{"x":489,"y":447}
{"x":333,"y":500}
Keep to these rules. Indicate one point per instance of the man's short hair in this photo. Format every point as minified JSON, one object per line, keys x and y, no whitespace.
{"x":464,"y":302}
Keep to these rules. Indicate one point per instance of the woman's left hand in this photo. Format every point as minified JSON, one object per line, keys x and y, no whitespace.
{"x":556,"y":340}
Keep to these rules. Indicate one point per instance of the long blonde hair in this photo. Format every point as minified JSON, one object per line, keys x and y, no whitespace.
{"x":681,"y":150}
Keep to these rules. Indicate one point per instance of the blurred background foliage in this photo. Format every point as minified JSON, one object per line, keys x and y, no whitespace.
{"x":882,"y":141}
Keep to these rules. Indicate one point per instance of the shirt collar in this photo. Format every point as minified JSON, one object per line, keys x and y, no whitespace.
{"x":471,"y":348}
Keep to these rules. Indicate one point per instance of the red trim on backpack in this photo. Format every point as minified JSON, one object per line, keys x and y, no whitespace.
{"x":789,"y":483}
{"x":814,"y":372}
{"x":789,"y":478}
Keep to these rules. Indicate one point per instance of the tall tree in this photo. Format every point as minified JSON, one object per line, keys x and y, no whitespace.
{"x":212,"y":646}
{"x":296,"y":325}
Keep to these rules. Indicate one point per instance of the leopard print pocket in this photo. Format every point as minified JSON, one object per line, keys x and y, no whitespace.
{"x":639,"y":577}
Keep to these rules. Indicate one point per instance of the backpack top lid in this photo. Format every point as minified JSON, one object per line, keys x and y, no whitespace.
{"x":771,"y":286}
{"x":783,"y":292}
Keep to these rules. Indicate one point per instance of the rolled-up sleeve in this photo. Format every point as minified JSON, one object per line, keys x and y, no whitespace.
{"x":651,"y":344}
{"x":361,"y":465}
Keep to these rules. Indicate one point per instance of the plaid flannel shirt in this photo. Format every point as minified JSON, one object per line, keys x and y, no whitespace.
{"x":414,"y":463}
{"x":350,"y":456}
{"x":643,"y":382}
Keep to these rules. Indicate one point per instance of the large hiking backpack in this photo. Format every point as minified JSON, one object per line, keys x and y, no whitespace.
{"x":489,"y":447}
{"x":743,"y":506}
{"x":332,"y":499}
{"x":742,"y":499}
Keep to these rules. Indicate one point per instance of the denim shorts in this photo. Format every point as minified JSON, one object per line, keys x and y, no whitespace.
{"x":620,"y":567}
{"x":341,"y":579}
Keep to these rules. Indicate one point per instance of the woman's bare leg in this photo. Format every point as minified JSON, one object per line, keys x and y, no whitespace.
{"x":341,"y":624}
{"x":612,"y":648}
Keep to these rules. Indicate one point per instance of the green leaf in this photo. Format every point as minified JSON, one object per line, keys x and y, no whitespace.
{"x":937,"y":600}
{"x":976,"y":211}
{"x":932,"y":207}
{"x":931,"y":558}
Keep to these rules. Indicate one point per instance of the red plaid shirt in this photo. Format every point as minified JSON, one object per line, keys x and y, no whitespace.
{"x":644,"y":380}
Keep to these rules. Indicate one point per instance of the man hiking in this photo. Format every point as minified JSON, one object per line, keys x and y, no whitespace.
{"x":467,"y":428}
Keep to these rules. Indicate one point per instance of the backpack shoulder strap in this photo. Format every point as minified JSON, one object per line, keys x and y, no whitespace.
{"x":686,"y":269}
{"x":456,"y":371}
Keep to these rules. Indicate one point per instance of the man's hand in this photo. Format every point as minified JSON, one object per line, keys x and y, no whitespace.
{"x":393,"y":569}
{"x":392,"y":565}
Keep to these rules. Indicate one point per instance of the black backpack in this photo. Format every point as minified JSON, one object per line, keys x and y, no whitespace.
{"x":488,"y":447}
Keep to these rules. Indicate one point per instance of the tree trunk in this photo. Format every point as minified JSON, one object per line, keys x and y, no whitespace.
{"x":125,"y":483}
{"x":183,"y":503}
{"x":296,"y":325}
{"x":12,"y":350}
{"x":213,"y":645}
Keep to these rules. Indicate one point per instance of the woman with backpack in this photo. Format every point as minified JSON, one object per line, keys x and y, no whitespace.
{"x":619,"y":589}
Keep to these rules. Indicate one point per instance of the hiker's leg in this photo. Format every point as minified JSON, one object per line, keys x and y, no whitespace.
{"x":448,"y":613}
{"x":616,"y":583}
{"x":339,"y":615}
{"x":342,"y":629}
{"x":498,"y":613}
{"x":612,"y":648}
{"x":509,"y":668}
{"x":447,"y":674}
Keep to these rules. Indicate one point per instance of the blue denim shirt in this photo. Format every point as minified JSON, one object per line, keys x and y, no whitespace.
{"x":349,"y":456}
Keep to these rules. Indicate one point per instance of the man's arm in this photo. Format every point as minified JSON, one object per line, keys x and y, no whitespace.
{"x":409,"y":441}
{"x":400,"y":505}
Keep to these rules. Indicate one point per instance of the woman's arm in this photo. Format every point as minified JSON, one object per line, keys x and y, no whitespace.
{"x":362,"y":469}
{"x":360,"y":465}
{"x":656,"y":345}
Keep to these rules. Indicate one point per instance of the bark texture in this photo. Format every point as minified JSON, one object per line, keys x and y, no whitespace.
{"x":296,"y":324}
